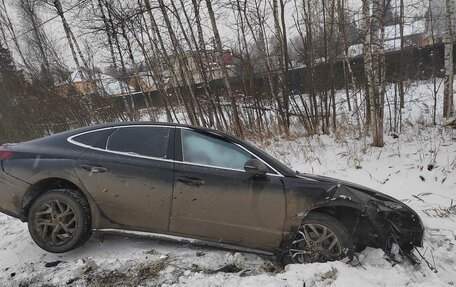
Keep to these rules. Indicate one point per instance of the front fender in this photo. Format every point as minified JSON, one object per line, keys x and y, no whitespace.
{"x":306,"y":195}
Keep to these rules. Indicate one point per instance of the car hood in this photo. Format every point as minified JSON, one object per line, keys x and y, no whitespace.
{"x":358,"y":187}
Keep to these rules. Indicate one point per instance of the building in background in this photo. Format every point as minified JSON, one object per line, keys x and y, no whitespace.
{"x":81,"y":82}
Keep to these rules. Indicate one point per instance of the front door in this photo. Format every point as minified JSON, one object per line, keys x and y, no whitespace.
{"x":131,"y":176}
{"x":214,"y":198}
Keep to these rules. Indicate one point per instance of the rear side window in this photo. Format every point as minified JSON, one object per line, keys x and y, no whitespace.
{"x":145,"y":141}
{"x":93,"y":139}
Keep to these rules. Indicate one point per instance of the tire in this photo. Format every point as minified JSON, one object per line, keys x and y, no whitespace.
{"x":308,"y":248}
{"x":59,"y":220}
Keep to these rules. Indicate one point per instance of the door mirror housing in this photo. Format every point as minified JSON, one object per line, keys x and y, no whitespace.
{"x":255,"y":167}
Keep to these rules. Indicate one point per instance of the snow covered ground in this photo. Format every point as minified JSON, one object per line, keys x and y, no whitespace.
{"x":401,"y":169}
{"x":418,"y":167}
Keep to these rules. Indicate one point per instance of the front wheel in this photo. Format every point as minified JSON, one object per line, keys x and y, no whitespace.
{"x":320,"y":238}
{"x":59,"y":220}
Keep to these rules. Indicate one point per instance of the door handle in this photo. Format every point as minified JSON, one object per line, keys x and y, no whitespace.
{"x":93,"y":168}
{"x":191,"y":181}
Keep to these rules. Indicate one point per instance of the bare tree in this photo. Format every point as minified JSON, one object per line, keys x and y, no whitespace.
{"x":448,"y":96}
{"x":281,"y":38}
{"x":237,"y":126}
{"x":374,"y":58}
{"x":73,"y":44}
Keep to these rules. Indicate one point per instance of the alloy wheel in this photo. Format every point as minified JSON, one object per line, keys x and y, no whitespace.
{"x":55,"y":222}
{"x":315,"y":243}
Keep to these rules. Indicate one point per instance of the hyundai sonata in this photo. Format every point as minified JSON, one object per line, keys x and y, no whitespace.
{"x":192,"y":182}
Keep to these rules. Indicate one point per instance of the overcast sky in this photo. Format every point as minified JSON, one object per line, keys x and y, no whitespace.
{"x":226,"y":22}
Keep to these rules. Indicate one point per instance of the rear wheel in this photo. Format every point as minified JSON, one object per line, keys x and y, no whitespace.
{"x":320,"y":238}
{"x":59,"y":220}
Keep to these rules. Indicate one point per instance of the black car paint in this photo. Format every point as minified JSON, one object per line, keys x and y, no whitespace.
{"x":375,"y":223}
{"x":371,"y":222}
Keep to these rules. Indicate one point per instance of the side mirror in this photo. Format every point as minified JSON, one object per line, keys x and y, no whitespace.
{"x":255,"y":167}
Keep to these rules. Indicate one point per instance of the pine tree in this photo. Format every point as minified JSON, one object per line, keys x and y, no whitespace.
{"x":11,"y":89}
{"x":9,"y":76}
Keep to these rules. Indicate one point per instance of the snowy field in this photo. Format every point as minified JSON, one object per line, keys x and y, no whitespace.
{"x":401,"y":169}
{"x":418,"y":167}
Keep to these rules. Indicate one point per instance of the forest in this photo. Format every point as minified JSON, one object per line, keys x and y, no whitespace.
{"x":252,"y":68}
{"x":358,"y":90}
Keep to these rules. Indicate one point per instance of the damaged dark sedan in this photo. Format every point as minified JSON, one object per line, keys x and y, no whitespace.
{"x":192,"y":182}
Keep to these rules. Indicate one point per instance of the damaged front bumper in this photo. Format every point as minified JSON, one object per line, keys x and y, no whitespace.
{"x":384,"y":222}
{"x":394,"y":227}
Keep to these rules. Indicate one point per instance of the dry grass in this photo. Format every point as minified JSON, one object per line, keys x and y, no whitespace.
{"x":144,"y":272}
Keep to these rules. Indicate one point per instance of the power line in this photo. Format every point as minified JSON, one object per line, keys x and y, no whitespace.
{"x":43,"y":23}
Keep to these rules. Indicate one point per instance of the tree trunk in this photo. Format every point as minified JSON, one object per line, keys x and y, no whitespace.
{"x":448,"y":105}
{"x":237,"y":127}
{"x":398,"y":125}
{"x":374,"y":66}
{"x":68,"y":34}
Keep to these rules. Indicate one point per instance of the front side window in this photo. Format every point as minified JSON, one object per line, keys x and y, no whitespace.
{"x":202,"y":149}
{"x":144,"y":141}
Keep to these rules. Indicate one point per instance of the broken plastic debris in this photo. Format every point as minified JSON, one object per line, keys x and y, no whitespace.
{"x":394,"y":249}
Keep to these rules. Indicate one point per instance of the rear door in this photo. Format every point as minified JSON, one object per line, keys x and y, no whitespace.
{"x":216,"y":199}
{"x":130,"y":175}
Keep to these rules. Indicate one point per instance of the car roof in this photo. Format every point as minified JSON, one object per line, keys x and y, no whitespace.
{"x":149,"y":123}
{"x":65,"y":134}
{"x":59,"y":138}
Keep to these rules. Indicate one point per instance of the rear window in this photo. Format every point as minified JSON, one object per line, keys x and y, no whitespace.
{"x":145,"y":141}
{"x":93,"y":139}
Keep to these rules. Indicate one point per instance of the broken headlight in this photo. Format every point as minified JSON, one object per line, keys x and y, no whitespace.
{"x":381,"y":205}
{"x":393,"y":205}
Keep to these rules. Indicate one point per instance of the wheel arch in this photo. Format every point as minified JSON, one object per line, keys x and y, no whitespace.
{"x":44,"y":185}
{"x":346,"y":214}
{"x":45,"y":182}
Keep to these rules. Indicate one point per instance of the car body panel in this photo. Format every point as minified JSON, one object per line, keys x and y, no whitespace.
{"x":302,"y":195}
{"x":244,"y":210}
{"x":376,"y":224}
{"x":133,"y":192}
{"x":37,"y":160}
{"x":140,"y":193}
{"x":12,"y":191}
